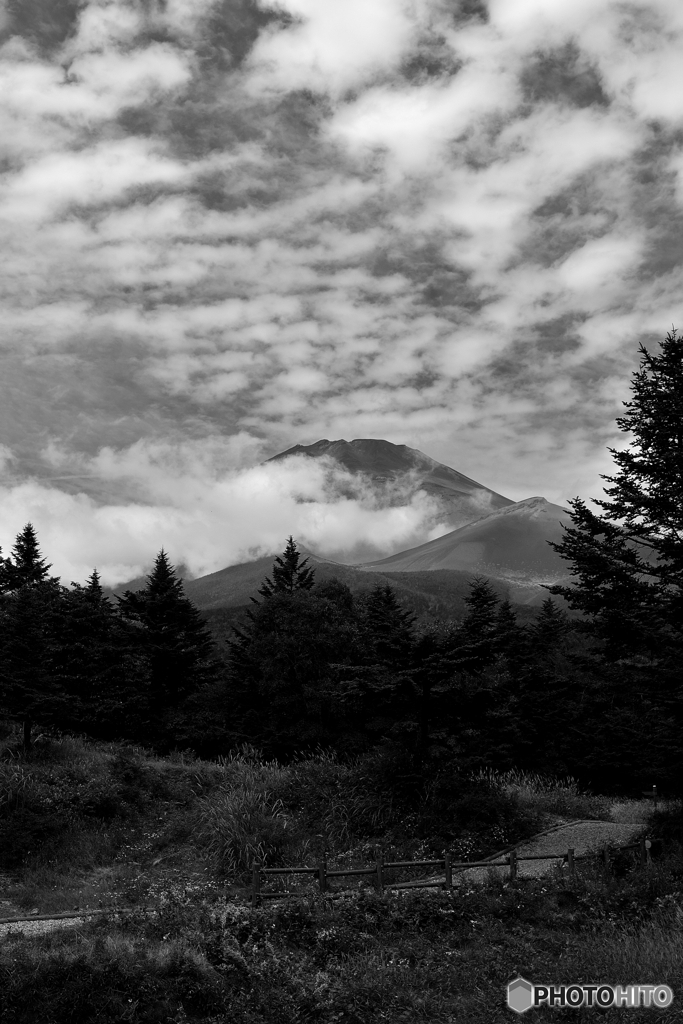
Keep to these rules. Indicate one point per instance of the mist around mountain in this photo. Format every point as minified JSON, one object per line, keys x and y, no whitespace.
{"x":394,"y":473}
{"x":495,"y":537}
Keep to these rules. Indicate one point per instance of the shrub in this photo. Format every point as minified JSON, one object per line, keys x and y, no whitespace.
{"x":245,"y":823}
{"x":547,"y":795}
{"x":25,"y":831}
{"x":472,"y":817}
{"x":667,"y":824}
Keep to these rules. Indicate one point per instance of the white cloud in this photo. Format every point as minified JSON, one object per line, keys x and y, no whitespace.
{"x":206,"y":514}
{"x":102,"y":174}
{"x":332,"y":46}
{"x":458,"y":260}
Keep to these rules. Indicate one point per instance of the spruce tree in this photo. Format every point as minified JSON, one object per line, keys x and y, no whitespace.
{"x":627,"y":562}
{"x":171,"y":635}
{"x":290,"y":573}
{"x":284,"y":669}
{"x":29,"y":616}
{"x":477,"y":636}
{"x":100,"y":665}
{"x":25,"y":566}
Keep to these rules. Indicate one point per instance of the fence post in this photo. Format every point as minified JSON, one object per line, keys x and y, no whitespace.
{"x":378,"y":862}
{"x":448,"y":869}
{"x":255,"y":882}
{"x":643,"y":852}
{"x":322,"y":877}
{"x":654,"y":796}
{"x":513,"y":864}
{"x":571,"y":866}
{"x":606,"y":858}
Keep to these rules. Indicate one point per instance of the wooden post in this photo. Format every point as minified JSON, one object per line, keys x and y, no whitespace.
{"x":513,"y":864}
{"x":571,"y":866}
{"x":643,"y":852}
{"x":606,"y":858}
{"x":378,"y":862}
{"x":322,"y":877}
{"x":255,"y":883}
{"x":448,"y":869}
{"x":654,"y":796}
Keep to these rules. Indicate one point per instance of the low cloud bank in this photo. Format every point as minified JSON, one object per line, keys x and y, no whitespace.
{"x":208,"y":516}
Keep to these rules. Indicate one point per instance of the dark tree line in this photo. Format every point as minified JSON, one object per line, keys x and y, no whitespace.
{"x":70,"y":659}
{"x":596,"y":693}
{"x":314,"y":664}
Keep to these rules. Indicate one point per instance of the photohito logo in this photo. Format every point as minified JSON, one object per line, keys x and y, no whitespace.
{"x":522,"y":995}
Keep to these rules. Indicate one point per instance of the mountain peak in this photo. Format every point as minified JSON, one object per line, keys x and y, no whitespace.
{"x":458,"y":499}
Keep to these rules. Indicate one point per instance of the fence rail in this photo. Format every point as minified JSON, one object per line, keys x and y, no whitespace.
{"x":511,"y":861}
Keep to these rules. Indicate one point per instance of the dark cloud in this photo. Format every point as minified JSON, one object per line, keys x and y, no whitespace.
{"x":44,"y":23}
{"x":562,"y":75}
{"x":232,"y":28}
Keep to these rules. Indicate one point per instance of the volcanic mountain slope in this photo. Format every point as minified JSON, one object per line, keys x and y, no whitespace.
{"x":509,"y":544}
{"x":397,"y":471}
{"x":224,"y":596}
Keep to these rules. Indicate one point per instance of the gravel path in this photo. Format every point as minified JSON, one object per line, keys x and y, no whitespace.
{"x":582,"y":836}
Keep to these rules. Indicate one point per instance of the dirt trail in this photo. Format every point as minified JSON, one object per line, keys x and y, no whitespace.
{"x":581,"y":836}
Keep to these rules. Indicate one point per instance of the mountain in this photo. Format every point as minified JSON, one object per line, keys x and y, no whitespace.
{"x":398,"y":472}
{"x":510,"y":544}
{"x":224,"y":596}
{"x":495,"y":537}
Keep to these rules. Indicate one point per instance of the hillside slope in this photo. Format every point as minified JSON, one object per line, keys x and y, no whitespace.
{"x":509,"y":544}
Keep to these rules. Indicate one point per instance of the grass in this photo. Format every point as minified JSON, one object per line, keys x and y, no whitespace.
{"x":549,"y":796}
{"x":353,"y":957}
{"x":171,"y":839}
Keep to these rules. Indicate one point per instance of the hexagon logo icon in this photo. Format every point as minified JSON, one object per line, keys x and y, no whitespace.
{"x":520,"y":995}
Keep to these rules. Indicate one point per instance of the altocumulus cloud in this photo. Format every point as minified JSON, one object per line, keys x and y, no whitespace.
{"x":229,"y":226}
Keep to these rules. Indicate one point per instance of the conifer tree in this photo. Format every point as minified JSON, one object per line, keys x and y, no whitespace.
{"x":172,"y":637}
{"x":382,"y":683}
{"x":99,"y":665}
{"x":627,"y":562}
{"x":25,"y":566}
{"x":477,"y":645}
{"x":29,"y":615}
{"x":550,"y":627}
{"x":290,"y":573}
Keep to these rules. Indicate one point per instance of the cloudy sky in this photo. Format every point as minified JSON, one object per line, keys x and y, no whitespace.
{"x":229,"y":227}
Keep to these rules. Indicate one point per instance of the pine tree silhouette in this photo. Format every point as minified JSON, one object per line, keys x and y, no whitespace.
{"x":289,"y":573}
{"x":29,"y":616}
{"x":93,"y":586}
{"x":172,"y":636}
{"x":25,"y":566}
{"x":627,"y":563}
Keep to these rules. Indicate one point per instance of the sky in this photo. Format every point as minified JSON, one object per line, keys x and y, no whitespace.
{"x":232,"y":226}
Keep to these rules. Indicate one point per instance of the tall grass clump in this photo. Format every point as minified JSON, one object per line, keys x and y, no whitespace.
{"x":244,"y":819}
{"x":547,"y":795}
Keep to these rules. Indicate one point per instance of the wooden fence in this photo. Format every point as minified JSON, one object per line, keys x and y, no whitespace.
{"x":448,"y":865}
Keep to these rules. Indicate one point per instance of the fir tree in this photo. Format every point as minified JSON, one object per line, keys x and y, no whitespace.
{"x":508,"y":635}
{"x":172,"y":637}
{"x":29,"y":617}
{"x":26,"y":566}
{"x":627,"y":562}
{"x":99,"y":664}
{"x":477,"y":635}
{"x":289,"y":573}
{"x":284,"y":670}
{"x":550,"y":628}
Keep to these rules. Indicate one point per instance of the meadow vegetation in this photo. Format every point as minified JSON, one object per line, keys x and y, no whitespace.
{"x":170,"y":839}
